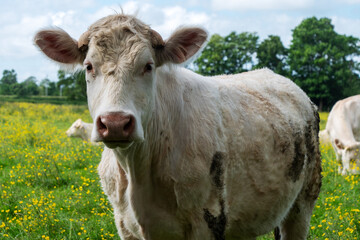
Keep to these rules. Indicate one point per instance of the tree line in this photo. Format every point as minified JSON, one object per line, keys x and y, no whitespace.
{"x":69,"y":85}
{"x":322,"y":62}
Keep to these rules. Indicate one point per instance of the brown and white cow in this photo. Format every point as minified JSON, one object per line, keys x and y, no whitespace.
{"x":188,"y":156}
{"x":81,"y":130}
{"x":343,"y":127}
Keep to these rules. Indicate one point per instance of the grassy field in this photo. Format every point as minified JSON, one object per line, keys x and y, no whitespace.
{"x":50,"y":188}
{"x":42,"y":99}
{"x":49,"y":184}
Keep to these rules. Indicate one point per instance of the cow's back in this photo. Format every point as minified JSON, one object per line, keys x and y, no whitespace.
{"x":273,"y":88}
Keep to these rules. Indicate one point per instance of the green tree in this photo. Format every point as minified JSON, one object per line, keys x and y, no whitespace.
{"x":72,"y":85}
{"x":8,"y":82}
{"x":27,"y":87}
{"x":48,"y":88}
{"x":53,"y":90}
{"x":322,"y":61}
{"x":231,"y":54}
{"x":272,"y":54}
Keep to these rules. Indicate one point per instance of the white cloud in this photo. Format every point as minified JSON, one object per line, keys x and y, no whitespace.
{"x":243,"y":5}
{"x":349,"y":1}
{"x":345,"y":25}
{"x":16,"y":38}
{"x":176,"y":16}
{"x":62,"y":18}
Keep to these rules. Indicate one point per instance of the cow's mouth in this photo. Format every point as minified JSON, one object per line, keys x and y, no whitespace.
{"x":123,"y":144}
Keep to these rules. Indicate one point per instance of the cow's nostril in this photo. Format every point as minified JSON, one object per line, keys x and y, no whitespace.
{"x":128,"y":126}
{"x":115,"y":126}
{"x":101,"y":127}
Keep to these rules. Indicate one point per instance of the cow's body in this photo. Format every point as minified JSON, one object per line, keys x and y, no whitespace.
{"x":81,"y":130}
{"x":231,"y":150}
{"x":343,"y":127}
{"x":197,"y":157}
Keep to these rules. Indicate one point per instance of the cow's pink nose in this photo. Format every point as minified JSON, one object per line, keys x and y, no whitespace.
{"x":115,"y":127}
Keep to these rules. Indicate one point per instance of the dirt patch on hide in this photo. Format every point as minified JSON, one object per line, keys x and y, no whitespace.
{"x":217,"y":225}
{"x":216,"y":170}
{"x":299,"y":158}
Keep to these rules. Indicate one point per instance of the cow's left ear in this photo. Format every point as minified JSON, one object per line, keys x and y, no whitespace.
{"x":181,"y":45}
{"x":59,"y":46}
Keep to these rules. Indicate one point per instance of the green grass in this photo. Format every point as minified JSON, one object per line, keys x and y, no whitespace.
{"x":49,"y":184}
{"x":50,"y":188}
{"x":336,"y":214}
{"x":323,"y":119}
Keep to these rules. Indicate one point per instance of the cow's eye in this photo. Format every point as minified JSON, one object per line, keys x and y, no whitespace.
{"x":148,"y":68}
{"x":89,"y":67}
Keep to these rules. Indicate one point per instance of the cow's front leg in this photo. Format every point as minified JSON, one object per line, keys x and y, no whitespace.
{"x":339,"y":162}
{"x":346,"y":166}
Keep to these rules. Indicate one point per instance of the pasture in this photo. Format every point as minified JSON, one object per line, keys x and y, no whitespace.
{"x":50,"y":188}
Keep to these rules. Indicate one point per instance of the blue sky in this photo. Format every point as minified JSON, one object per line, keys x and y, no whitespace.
{"x":19,"y":20}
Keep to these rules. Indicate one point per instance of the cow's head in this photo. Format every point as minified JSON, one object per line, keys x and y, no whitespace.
{"x":121,"y":55}
{"x":76,"y":129}
{"x":350,"y":154}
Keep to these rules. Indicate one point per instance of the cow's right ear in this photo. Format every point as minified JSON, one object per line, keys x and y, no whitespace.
{"x":339,"y":144}
{"x":59,"y":46}
{"x":182,"y":45}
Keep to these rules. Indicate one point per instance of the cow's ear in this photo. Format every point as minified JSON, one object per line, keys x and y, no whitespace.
{"x":59,"y":46}
{"x":339,"y":144}
{"x":181,"y":45}
{"x":78,"y":123}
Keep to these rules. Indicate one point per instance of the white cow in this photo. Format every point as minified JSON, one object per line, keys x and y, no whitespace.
{"x":343,"y":126}
{"x":80,"y":129}
{"x":187,"y":156}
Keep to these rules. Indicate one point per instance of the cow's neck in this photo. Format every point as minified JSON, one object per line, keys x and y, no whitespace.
{"x":135,"y":163}
{"x":166,"y":132}
{"x":154,"y":167}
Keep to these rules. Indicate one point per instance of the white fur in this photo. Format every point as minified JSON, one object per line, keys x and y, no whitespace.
{"x":343,"y":126}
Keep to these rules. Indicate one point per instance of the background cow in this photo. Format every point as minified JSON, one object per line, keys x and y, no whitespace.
{"x":187,"y":156}
{"x":80,"y":129}
{"x":343,"y":126}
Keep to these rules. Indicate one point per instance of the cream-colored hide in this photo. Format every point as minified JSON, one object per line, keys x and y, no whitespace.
{"x":343,"y":126}
{"x":189,"y":157}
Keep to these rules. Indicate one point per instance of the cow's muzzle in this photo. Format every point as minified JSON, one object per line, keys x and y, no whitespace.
{"x":115,"y":129}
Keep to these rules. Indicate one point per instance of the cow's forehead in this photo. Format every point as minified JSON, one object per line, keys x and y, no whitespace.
{"x":120,"y":20}
{"x":118,"y":35}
